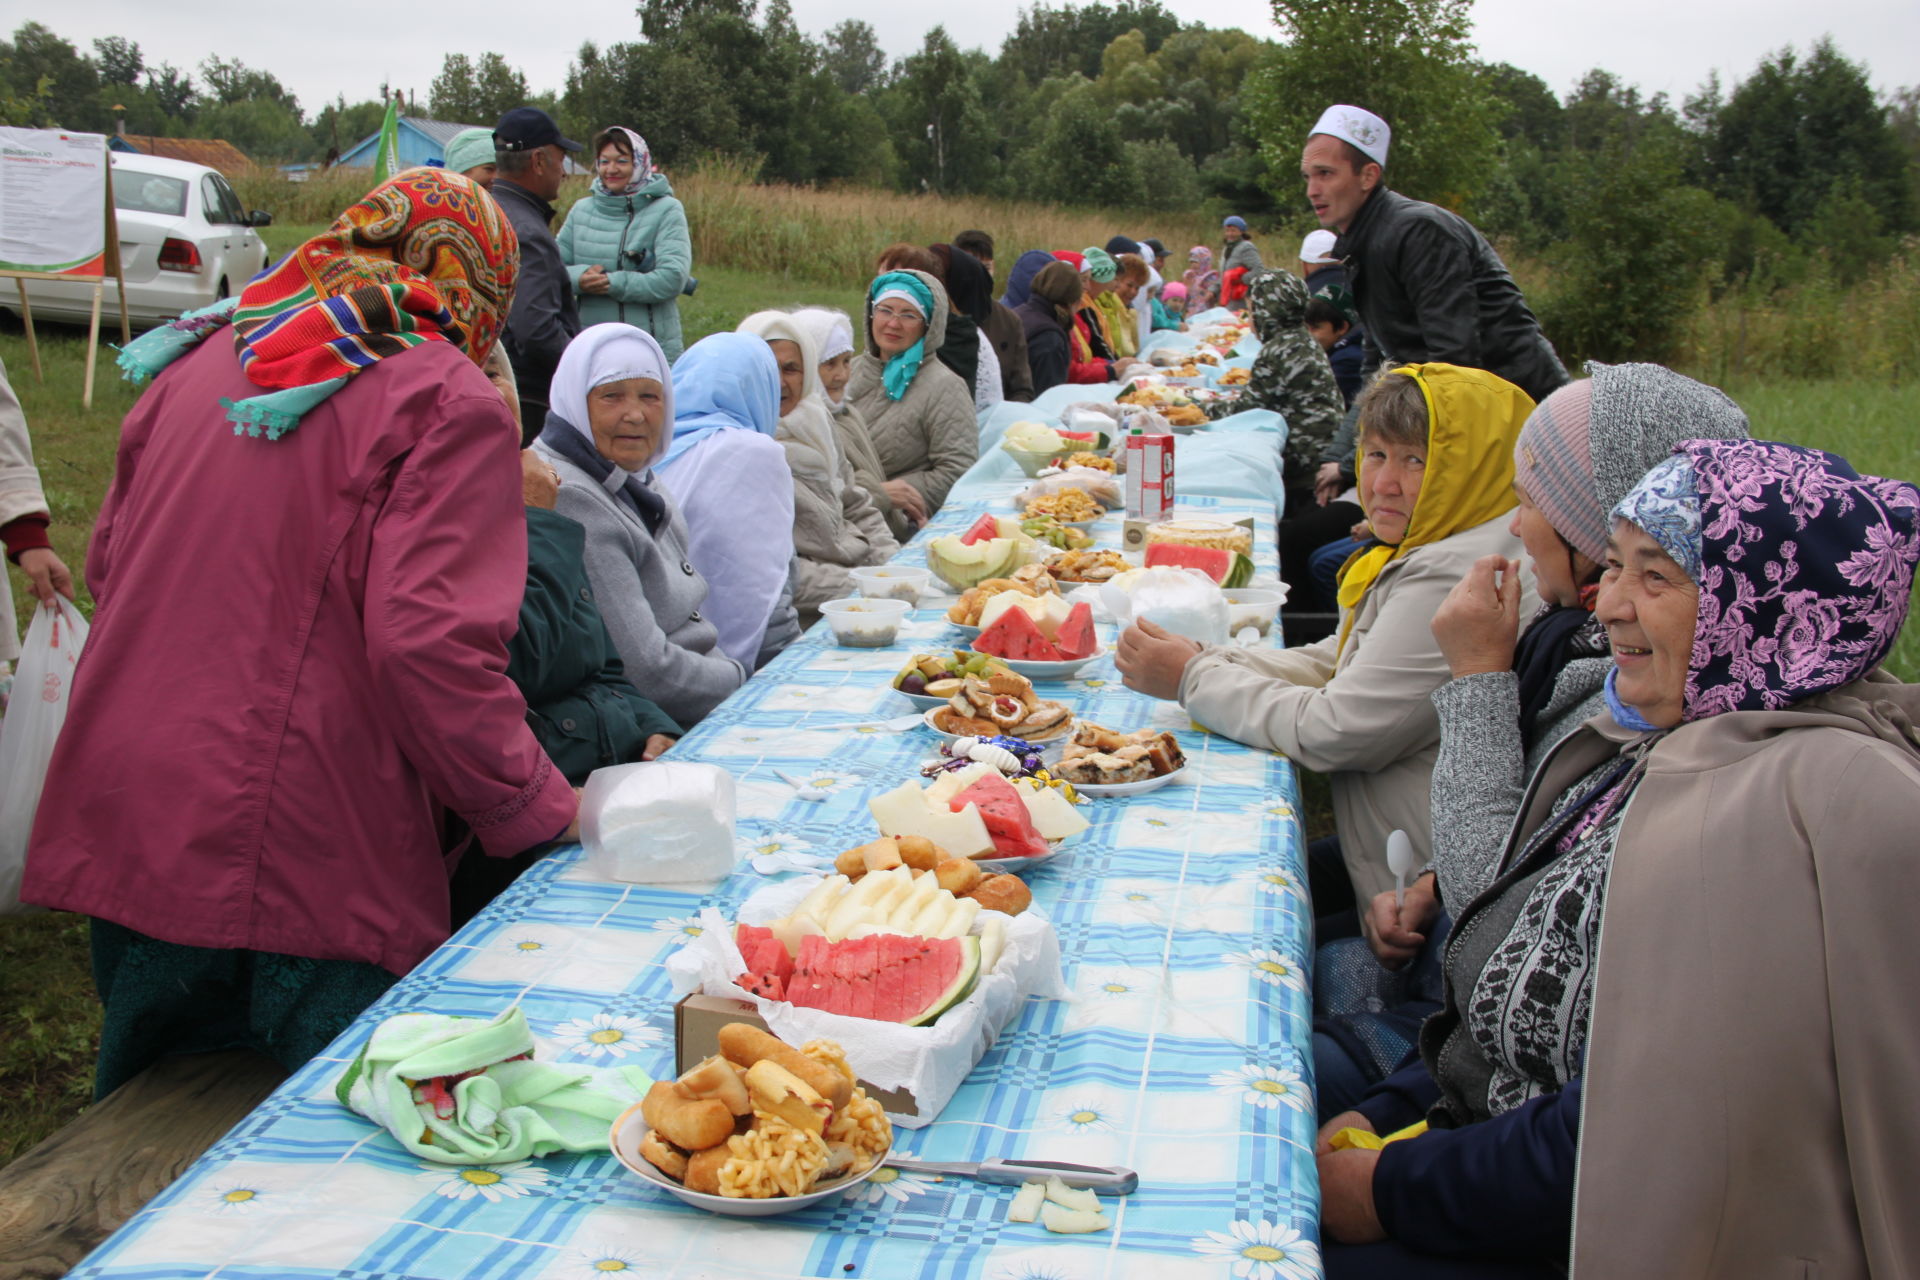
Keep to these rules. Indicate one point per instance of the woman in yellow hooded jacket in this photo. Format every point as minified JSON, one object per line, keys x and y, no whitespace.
{"x":1436,"y":479}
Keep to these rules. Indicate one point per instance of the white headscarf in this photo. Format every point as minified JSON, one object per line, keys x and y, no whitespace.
{"x":832,"y":334}
{"x":810,"y":423}
{"x":604,"y":353}
{"x":784,"y":326}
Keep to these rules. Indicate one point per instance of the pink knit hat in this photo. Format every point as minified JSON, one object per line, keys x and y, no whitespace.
{"x":1553,"y":462}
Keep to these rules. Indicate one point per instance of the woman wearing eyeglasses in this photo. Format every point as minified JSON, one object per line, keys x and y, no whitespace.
{"x":918,"y":411}
{"x":626,"y":245}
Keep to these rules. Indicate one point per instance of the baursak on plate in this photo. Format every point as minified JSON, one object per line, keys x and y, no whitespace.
{"x":631,"y":1127}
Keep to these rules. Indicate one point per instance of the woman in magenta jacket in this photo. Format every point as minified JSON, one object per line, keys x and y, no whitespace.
{"x":292,"y":714}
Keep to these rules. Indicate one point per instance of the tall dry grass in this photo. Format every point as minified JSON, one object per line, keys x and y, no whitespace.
{"x":819,"y":235}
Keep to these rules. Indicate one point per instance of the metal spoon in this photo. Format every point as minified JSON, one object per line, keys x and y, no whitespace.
{"x":1103,"y":1179}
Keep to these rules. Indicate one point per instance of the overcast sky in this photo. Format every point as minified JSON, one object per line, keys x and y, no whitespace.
{"x":326,"y":51}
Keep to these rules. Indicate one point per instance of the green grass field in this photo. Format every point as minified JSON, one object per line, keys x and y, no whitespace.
{"x":48,"y":1017}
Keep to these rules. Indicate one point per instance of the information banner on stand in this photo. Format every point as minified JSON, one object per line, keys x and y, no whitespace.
{"x":57,"y":223}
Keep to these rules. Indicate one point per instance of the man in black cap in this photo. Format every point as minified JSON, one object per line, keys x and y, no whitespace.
{"x":532,"y":159}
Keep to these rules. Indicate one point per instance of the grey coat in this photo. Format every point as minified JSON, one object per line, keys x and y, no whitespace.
{"x":650,"y":597}
{"x":929,"y":436}
{"x":1480,"y":775}
{"x":836,"y":527}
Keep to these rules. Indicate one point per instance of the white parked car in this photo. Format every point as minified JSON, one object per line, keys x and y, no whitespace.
{"x":184,"y":242}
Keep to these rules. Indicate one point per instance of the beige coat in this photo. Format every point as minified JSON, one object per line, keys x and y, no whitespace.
{"x":1364,"y":718}
{"x":1749,"y":1105}
{"x":20,"y":495}
{"x":856,"y":446}
{"x":835,"y":524}
{"x":929,"y":436}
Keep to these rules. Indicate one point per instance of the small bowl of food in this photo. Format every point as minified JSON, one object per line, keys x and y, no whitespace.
{"x":861,"y":623}
{"x":891,"y":582}
{"x":1254,"y":607}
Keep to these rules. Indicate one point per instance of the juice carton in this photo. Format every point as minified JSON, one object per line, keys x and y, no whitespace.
{"x":1149,"y":476}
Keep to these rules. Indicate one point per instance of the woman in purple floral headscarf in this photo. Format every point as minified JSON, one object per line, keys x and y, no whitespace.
{"x":1747,"y":816}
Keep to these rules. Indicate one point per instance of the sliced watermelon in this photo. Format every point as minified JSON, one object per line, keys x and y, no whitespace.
{"x":984,"y":528}
{"x":1215,"y":562}
{"x":1014,"y":634}
{"x":1241,"y":573}
{"x":1006,"y":816}
{"x":769,"y":967}
{"x":886,"y":977}
{"x":1075,"y":638}
{"x":1091,"y":441}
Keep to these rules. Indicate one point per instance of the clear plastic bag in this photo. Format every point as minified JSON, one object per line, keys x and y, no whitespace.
{"x":1183,"y":601}
{"x":660,"y":822}
{"x":42,"y":685}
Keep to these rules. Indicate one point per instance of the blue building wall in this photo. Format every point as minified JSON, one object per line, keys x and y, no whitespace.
{"x":416,"y":148}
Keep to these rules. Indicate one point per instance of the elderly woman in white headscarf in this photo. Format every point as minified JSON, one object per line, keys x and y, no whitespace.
{"x":836,"y":526}
{"x":611,"y":416}
{"x":832,"y":331}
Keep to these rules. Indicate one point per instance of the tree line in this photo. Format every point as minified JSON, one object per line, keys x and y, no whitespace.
{"x":1637,"y":203}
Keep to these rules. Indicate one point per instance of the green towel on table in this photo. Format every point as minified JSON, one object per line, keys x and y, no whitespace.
{"x":467,"y":1091}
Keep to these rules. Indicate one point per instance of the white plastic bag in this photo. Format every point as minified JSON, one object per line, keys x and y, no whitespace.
{"x":42,"y":683}
{"x":660,"y":822}
{"x":1183,"y":601}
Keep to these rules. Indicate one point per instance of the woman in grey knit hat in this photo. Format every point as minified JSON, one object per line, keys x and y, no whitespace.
{"x":1513,"y":695}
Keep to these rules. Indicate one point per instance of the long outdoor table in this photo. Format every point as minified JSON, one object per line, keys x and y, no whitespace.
{"x":1183,"y":926}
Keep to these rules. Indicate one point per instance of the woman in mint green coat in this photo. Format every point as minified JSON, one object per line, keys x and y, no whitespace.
{"x":626,"y":245}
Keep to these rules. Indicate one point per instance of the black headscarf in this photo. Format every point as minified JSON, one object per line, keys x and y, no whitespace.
{"x":969,"y":283}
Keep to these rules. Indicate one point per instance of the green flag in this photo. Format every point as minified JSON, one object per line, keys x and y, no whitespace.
{"x":386,"y":155}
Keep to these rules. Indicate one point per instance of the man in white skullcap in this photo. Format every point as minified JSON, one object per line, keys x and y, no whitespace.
{"x":1426,"y":284}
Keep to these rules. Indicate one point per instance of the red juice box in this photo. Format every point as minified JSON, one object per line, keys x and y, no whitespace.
{"x":1149,"y":476}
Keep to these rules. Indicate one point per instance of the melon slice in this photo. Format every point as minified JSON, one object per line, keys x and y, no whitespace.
{"x":1054,"y":816}
{"x":903,"y":811}
{"x":1006,"y":816}
{"x":1075,"y":638}
{"x":961,"y":565}
{"x":1016,"y":637}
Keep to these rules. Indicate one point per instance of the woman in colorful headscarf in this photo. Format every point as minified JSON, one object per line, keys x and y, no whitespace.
{"x":1723,"y":1093}
{"x":836,"y":526}
{"x":832,"y":332}
{"x":625,"y":243}
{"x":918,"y":411}
{"x":1115,"y":303}
{"x":726,"y":402}
{"x":306,"y":569}
{"x":1436,"y":460}
{"x":1512,"y":695}
{"x":1202,"y":281}
{"x":608,"y":428}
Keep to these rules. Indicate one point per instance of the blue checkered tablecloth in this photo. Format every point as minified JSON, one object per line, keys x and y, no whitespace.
{"x":1183,"y":926}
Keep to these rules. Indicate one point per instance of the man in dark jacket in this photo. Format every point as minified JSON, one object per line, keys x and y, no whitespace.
{"x":1427,"y":285}
{"x":532,"y":160}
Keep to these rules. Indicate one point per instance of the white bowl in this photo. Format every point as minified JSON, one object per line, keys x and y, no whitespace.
{"x":891,"y":582}
{"x":1105,"y":790}
{"x":1252,"y":607}
{"x":1060,"y":731}
{"x":631,"y":1127}
{"x":922,"y":701}
{"x":1050,"y":670}
{"x":860,"y":623}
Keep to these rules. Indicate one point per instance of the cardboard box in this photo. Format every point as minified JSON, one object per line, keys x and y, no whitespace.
{"x":697,"y":1020}
{"x":1133,"y":535}
{"x":1149,"y":482}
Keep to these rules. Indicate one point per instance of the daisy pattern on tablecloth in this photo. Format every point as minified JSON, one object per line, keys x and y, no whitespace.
{"x":231,"y":1198}
{"x":606,"y":1033}
{"x":1274,"y":880}
{"x":1265,"y":1087}
{"x":684,"y":928}
{"x":527,"y":946}
{"x":889,"y":1183}
{"x":606,"y":1262}
{"x":778,"y":842}
{"x":1263,"y":1251}
{"x":1084,"y":1116}
{"x":1268,"y":965}
{"x":1275,"y":809}
{"x":492,"y":1182}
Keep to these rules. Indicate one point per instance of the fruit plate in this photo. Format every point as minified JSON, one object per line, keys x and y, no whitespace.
{"x":923,"y":701}
{"x":631,"y":1127}
{"x":1058,"y":732}
{"x":1106,"y":790}
{"x":1051,"y":670}
{"x":965,"y":630}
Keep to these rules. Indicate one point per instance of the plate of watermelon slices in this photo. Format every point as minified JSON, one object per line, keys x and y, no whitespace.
{"x":1065,"y":669}
{"x":1042,"y":638}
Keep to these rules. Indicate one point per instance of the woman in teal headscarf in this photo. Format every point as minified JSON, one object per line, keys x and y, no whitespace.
{"x":918,"y":411}
{"x":472,"y":153}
